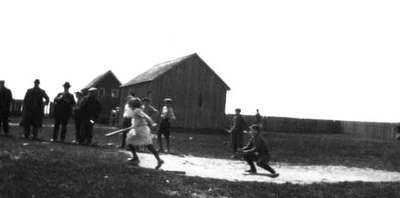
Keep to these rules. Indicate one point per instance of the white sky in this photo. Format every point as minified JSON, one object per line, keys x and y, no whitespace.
{"x":311,"y":59}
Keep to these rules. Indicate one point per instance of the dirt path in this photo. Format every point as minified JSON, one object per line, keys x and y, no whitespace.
{"x":233,"y":170}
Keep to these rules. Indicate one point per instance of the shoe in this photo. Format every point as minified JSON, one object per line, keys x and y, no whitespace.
{"x":134,"y":161}
{"x":159,"y":164}
{"x":251,"y":171}
{"x":275,"y":175}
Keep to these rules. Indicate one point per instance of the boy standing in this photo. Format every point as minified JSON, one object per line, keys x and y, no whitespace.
{"x":238,"y":126}
{"x":167,"y":114}
{"x":257,"y":151}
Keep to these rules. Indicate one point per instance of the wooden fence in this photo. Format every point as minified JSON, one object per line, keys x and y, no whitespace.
{"x":17,"y":106}
{"x":367,"y":130}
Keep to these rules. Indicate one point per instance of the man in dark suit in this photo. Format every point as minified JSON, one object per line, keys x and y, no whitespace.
{"x":89,"y":111}
{"x":33,"y":106}
{"x":63,"y":104}
{"x":5,"y":101}
{"x":238,"y":126}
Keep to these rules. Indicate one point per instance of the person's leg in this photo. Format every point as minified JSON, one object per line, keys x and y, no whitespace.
{"x":82,"y":132}
{"x":64,"y":123}
{"x":6,"y":127}
{"x":262,"y":162}
{"x":240,"y":139}
{"x":249,"y":158}
{"x":265,"y":166}
{"x":159,"y":136}
{"x":234,"y":141}
{"x":132,"y":149}
{"x":2,"y":123}
{"x":35,"y":131}
{"x":123,"y":140}
{"x":156,"y":155}
{"x":55,"y":129}
{"x":166,"y":134}
{"x":126,"y":122}
{"x":90,"y":133}
{"x":77,"y":128}
{"x":26,"y":130}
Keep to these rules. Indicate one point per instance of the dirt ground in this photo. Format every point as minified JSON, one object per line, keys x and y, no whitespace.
{"x":233,"y":170}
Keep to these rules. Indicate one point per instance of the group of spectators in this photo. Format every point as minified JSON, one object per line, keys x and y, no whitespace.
{"x":85,"y":111}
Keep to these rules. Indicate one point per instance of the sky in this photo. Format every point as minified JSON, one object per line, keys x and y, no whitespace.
{"x":306,"y":59}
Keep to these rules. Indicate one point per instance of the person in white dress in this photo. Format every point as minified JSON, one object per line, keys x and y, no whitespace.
{"x":140,"y":134}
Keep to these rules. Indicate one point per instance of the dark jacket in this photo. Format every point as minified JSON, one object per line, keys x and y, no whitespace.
{"x":256,"y":144}
{"x":32,"y":112}
{"x":238,"y":124}
{"x":5,"y":100}
{"x":63,"y":104}
{"x":258,"y":118}
{"x":90,"y":108}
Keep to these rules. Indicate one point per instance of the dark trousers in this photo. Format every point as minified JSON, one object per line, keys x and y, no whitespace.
{"x":237,"y":140}
{"x":164,"y":130}
{"x":261,"y":161}
{"x":126,"y":122}
{"x":57,"y":122}
{"x":27,"y":131}
{"x":86,"y":132}
{"x":4,"y":123}
{"x":78,"y":133}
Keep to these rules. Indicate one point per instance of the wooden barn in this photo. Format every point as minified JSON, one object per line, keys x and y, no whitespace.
{"x":199,"y":94}
{"x":107,"y":93}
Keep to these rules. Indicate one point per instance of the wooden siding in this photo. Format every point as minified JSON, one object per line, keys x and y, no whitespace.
{"x":186,"y":83}
{"x":107,"y":102}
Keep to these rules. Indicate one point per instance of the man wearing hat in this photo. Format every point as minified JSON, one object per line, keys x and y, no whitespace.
{"x":32,"y":114}
{"x":238,"y":126}
{"x":5,"y":101}
{"x":63,"y":104}
{"x":89,"y":111}
{"x":167,"y":114}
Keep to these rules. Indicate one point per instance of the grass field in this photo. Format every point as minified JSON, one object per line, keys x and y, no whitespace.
{"x":42,"y":169}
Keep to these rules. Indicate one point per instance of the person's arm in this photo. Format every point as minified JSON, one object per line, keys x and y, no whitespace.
{"x":9,"y":98}
{"x":156,"y":112}
{"x":250,"y":147}
{"x":142,"y":114}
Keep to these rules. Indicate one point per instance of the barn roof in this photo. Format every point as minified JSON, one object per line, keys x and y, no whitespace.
{"x":99,"y":78}
{"x":162,"y":68}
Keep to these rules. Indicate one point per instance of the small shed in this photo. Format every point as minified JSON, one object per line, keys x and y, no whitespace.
{"x":107,"y":85}
{"x":199,"y":94}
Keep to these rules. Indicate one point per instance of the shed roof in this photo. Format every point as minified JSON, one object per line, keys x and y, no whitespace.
{"x":99,"y":78}
{"x":162,"y":68}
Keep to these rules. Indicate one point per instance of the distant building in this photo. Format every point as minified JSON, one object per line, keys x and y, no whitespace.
{"x":199,"y":94}
{"x":108,"y":93}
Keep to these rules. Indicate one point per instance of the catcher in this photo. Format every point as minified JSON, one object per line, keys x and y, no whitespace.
{"x":256,"y":150}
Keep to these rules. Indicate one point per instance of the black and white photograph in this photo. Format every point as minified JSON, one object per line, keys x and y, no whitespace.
{"x":199,"y":99}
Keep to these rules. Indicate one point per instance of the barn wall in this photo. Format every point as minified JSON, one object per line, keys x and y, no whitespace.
{"x":184,"y":84}
{"x":108,"y":102}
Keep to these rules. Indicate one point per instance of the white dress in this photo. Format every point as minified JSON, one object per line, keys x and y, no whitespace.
{"x":141,"y":133}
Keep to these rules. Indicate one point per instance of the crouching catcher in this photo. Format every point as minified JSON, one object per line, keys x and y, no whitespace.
{"x":257,"y":151}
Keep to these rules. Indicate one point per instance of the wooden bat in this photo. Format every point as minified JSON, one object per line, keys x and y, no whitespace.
{"x":118,"y":131}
